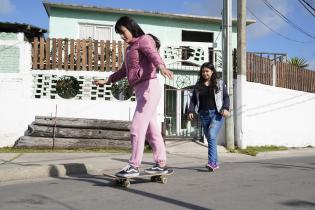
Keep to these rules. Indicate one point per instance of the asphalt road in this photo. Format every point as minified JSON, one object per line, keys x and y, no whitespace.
{"x":286,"y":183}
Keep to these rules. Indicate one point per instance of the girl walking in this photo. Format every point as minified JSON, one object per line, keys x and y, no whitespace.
{"x":211,"y":102}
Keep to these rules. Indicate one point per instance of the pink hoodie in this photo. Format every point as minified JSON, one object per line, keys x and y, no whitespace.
{"x":141,"y":62}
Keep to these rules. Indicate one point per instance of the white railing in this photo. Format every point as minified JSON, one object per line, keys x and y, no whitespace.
{"x":189,"y":55}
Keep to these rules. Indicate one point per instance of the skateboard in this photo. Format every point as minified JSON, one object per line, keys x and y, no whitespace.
{"x":125,"y":181}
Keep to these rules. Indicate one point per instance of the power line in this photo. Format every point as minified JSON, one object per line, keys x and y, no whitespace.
{"x":218,"y":34}
{"x":283,"y":36}
{"x":308,"y":7}
{"x":287,"y":20}
{"x":310,"y":3}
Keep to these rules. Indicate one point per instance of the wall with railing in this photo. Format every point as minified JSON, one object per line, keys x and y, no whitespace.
{"x":277,"y":109}
{"x":55,"y":63}
{"x":30,"y":92}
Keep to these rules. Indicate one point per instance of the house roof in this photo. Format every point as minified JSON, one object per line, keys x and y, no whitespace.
{"x":48,"y":5}
{"x":28,"y":29}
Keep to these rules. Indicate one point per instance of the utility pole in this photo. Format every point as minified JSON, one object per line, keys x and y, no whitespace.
{"x":228,"y":68}
{"x":241,"y":72}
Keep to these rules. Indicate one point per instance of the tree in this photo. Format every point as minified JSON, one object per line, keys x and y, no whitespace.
{"x":299,"y":62}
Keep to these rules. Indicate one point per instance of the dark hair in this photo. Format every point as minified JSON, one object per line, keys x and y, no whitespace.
{"x":213,"y":79}
{"x":134,"y":28}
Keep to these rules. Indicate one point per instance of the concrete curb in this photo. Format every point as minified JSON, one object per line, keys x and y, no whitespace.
{"x":41,"y":171}
{"x":37,"y":166}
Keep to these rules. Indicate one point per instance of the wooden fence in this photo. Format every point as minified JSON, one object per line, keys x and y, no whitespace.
{"x":259,"y":69}
{"x":262,"y":70}
{"x":89,"y":55}
{"x":93,"y":55}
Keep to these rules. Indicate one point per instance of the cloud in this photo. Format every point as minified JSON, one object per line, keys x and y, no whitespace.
{"x":311,"y":64}
{"x":6,"y":7}
{"x":212,"y":8}
{"x":264,"y":13}
{"x":268,"y":16}
{"x":204,"y":8}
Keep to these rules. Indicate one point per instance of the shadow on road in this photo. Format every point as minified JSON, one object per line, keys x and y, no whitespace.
{"x":280,"y":165}
{"x":103,"y":181}
{"x":298,"y":203}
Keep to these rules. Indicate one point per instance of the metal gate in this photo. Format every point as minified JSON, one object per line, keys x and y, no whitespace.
{"x":185,"y":61}
{"x":176,"y":116}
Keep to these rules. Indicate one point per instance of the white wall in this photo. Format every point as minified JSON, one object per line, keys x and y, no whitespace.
{"x":278,"y":116}
{"x":18,"y":107}
{"x":271,"y":115}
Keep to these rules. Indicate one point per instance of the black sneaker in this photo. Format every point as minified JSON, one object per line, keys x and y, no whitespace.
{"x":157,"y":170}
{"x":128,"y":171}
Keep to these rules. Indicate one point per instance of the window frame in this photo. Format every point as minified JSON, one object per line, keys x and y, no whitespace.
{"x":110,"y":27}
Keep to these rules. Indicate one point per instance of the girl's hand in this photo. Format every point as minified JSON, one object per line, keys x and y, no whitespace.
{"x":190,"y":116}
{"x":225,"y":113}
{"x":99,"y":81}
{"x":165,"y":72}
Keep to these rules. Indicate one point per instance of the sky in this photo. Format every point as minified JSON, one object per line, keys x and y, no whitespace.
{"x":269,"y":34}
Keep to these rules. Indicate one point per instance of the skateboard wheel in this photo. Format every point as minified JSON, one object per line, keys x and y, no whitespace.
{"x":126,"y":184}
{"x":154,"y":178}
{"x":117,"y":182}
{"x":163,"y":180}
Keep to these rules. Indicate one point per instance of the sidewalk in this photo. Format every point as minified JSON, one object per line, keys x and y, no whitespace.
{"x":15,"y":166}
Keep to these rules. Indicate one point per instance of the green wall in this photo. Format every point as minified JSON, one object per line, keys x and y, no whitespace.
{"x":9,"y":54}
{"x":64,"y":23}
{"x":8,"y":36}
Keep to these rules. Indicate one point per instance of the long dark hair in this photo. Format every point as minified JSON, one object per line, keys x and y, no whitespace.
{"x":213,"y":79}
{"x":134,"y":29}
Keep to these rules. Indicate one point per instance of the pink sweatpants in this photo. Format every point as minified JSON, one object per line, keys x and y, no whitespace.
{"x":144,"y":123}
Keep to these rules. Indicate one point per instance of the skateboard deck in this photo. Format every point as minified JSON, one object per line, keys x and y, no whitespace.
{"x":125,"y":181}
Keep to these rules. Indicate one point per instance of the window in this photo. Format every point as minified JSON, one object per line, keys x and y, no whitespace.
{"x":197,"y":36}
{"x":97,"y":32}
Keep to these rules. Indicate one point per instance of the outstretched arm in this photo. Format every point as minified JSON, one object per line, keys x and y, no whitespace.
{"x":165,"y":72}
{"x":118,"y":75}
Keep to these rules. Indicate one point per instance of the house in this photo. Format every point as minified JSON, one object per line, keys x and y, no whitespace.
{"x":200,"y":33}
{"x":187,"y":42}
{"x":52,"y":76}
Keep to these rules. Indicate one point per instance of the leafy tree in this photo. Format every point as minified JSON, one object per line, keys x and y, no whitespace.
{"x":67,"y":87}
{"x":299,"y":62}
{"x":121,"y":90}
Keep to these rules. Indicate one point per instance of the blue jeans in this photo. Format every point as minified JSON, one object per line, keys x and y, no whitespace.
{"x":212,"y":122}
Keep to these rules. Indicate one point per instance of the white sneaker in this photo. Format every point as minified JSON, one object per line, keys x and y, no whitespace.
{"x":128,"y":171}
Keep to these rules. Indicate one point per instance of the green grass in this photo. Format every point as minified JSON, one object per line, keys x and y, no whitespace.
{"x":253,"y":151}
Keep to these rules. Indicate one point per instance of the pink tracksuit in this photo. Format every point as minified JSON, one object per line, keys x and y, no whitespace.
{"x":140,"y":65}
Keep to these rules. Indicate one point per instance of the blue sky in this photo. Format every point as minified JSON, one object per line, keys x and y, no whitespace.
{"x":259,"y":37}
